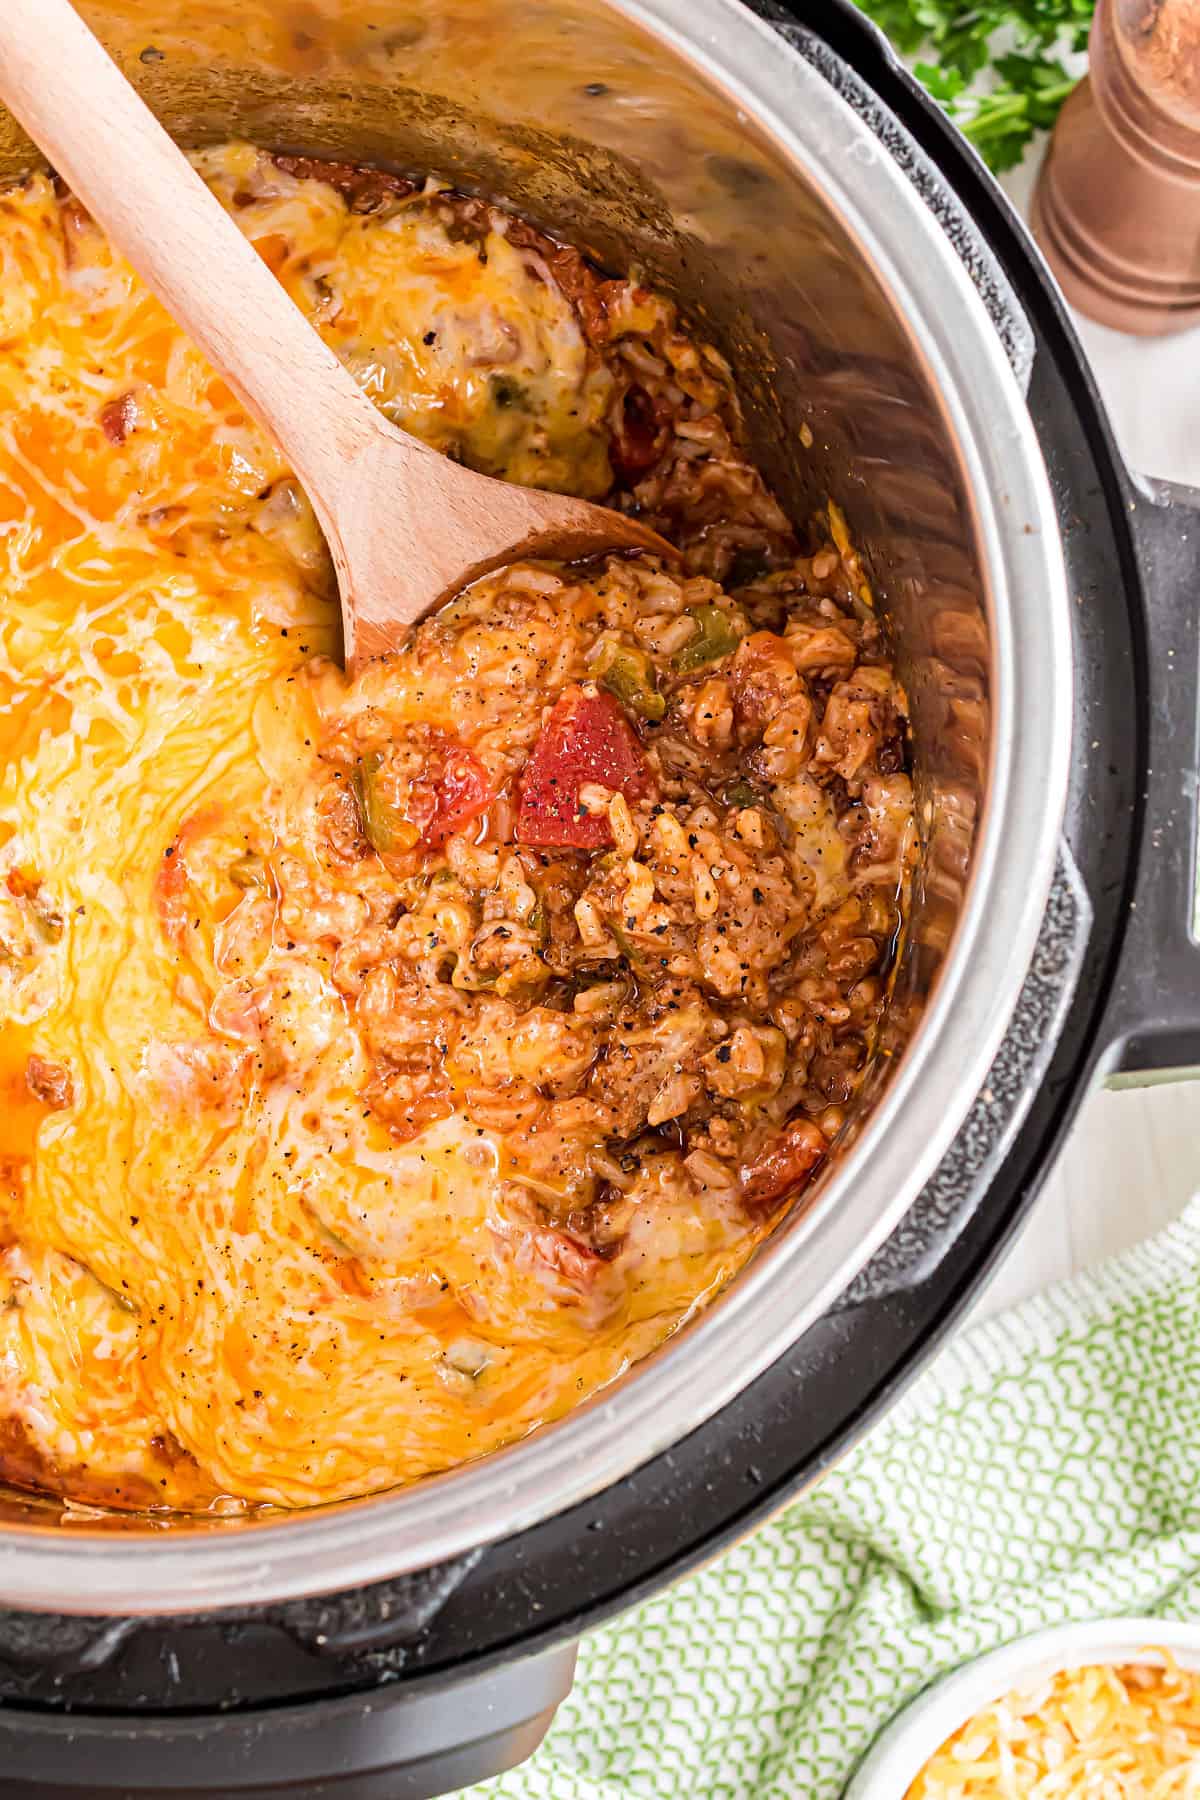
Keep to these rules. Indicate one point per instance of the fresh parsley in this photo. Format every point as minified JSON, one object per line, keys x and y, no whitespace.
{"x":996,"y":66}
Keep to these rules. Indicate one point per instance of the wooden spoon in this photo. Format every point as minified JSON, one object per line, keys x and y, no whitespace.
{"x":406,"y":527}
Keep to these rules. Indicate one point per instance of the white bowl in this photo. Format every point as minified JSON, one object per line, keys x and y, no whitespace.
{"x":910,"y":1740}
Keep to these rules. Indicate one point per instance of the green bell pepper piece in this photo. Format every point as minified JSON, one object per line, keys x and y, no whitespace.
{"x":713,"y":638}
{"x":629,"y":676}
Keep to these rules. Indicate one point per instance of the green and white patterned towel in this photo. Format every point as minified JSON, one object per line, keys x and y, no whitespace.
{"x":1046,"y":1468}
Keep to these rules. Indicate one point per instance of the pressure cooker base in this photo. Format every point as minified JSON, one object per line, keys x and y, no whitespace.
{"x":390,"y":1743}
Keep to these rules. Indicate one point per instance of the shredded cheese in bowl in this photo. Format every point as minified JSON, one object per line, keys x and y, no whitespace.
{"x":1116,"y":1732}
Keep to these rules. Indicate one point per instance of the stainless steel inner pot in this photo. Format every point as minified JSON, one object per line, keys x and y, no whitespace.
{"x":685,"y":137}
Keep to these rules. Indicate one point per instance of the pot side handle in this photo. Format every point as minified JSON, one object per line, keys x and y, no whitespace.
{"x":1152,"y":1025}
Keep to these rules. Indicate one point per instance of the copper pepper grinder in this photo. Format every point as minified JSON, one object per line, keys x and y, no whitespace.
{"x":1117,"y":205}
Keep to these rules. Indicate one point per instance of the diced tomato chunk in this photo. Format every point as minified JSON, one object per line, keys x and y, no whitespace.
{"x":586,"y":739}
{"x":170,"y":892}
{"x":784,"y":1165}
{"x":573,"y":1261}
{"x":638,"y":440}
{"x":172,"y":880}
{"x":446,"y":797}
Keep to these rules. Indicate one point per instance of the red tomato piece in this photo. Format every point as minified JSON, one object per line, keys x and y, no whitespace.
{"x":170,"y":892}
{"x":784,"y":1165}
{"x":638,"y":439}
{"x":573,"y":1261}
{"x":587,"y":738}
{"x":172,"y":880}
{"x":446,"y":797}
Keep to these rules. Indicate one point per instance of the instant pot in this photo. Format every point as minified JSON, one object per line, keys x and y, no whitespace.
{"x":901,"y":350}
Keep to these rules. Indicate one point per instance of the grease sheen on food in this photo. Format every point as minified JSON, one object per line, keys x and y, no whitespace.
{"x":389,"y":1064}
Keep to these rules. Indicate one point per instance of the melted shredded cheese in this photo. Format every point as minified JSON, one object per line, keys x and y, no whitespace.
{"x":182,"y":1309}
{"x":1097,"y":1733}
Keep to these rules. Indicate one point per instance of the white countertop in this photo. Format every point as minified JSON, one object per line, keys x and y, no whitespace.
{"x":1133,"y":1157}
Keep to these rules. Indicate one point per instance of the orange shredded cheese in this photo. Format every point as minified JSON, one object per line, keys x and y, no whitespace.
{"x":1115,"y":1733}
{"x":184,"y":1313}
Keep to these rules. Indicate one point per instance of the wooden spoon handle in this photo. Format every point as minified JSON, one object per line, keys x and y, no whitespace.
{"x":58,"y":80}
